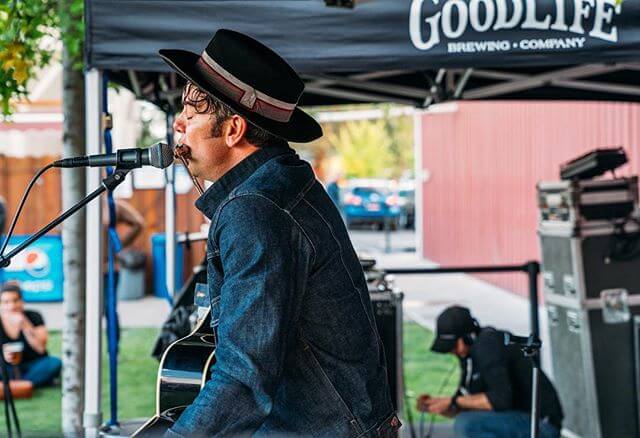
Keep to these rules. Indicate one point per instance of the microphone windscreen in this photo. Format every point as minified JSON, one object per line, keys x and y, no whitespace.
{"x":161,"y":155}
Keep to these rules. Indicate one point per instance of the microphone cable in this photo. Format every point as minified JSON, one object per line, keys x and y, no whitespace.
{"x":21,"y":204}
{"x":444,"y":383}
{"x":9,"y":405}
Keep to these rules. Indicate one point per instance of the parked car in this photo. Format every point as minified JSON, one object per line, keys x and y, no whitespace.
{"x":407,"y":201}
{"x":372,"y":202}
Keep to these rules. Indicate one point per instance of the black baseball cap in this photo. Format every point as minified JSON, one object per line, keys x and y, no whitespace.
{"x":453,"y":323}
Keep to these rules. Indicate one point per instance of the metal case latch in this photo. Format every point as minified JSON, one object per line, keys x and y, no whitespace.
{"x":615,"y":306}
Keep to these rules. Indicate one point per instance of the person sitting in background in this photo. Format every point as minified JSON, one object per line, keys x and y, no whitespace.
{"x":25,"y":329}
{"x":494,"y":396}
{"x":130,"y":223}
{"x":127,"y":219}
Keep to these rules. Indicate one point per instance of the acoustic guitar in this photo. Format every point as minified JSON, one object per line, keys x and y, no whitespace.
{"x":184,"y":369}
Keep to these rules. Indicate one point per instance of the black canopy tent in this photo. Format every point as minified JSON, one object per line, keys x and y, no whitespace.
{"x":408,"y":51}
{"x":414,"y":52}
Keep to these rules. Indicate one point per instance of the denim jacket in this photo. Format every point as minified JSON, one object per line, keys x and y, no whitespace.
{"x":298,"y":352}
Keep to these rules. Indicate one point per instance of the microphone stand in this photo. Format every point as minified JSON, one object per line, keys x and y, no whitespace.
{"x":109,"y":183}
{"x":531,"y":348}
{"x":9,"y":406}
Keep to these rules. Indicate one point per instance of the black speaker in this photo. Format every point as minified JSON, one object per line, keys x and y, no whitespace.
{"x":387,"y":308}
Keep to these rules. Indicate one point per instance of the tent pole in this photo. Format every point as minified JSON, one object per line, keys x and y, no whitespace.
{"x":418,"y":181}
{"x":170,"y":215}
{"x":92,"y":417}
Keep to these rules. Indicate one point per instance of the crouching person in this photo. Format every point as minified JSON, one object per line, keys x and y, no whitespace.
{"x":494,"y":396}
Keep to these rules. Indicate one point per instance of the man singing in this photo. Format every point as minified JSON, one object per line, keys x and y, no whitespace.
{"x":298,"y":352}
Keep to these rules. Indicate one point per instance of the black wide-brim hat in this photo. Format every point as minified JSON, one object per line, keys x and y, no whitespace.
{"x":252,"y":80}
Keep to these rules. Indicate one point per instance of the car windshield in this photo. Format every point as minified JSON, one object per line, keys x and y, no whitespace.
{"x":368,"y":191}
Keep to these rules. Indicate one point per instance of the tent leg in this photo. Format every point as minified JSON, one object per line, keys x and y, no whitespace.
{"x":170,"y":216}
{"x":419,"y":181}
{"x":93,"y":331}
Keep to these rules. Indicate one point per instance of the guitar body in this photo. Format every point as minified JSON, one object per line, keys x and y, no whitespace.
{"x":155,"y":427}
{"x":184,"y":369}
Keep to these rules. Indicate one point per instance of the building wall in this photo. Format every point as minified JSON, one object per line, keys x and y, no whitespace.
{"x":481,"y":162}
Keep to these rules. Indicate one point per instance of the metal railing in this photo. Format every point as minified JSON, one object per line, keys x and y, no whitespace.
{"x":531,"y":268}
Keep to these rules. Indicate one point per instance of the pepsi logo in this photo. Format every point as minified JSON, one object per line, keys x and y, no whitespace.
{"x":37,"y":263}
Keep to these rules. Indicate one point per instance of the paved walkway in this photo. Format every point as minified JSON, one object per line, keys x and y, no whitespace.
{"x":145,"y":312}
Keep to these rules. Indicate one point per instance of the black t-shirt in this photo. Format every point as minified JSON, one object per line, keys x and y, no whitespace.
{"x":504,"y":374}
{"x":28,"y":353}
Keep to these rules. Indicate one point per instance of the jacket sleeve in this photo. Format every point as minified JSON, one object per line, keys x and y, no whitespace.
{"x":264,"y":259}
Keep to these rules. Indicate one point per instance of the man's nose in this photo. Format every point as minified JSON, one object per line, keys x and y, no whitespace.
{"x":178,"y":124}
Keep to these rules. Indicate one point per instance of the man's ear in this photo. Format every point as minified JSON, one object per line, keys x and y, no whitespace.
{"x":460,"y":344}
{"x":234,"y":130}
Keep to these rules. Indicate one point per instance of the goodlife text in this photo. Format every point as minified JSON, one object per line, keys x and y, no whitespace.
{"x":597,"y":15}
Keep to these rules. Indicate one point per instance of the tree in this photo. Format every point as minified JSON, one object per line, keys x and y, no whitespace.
{"x":24,"y":47}
{"x":364,"y":148}
{"x":73,"y":230}
{"x":27,"y":44}
{"x":400,"y":131}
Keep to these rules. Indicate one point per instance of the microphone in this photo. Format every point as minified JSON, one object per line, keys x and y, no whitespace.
{"x":159,"y":155}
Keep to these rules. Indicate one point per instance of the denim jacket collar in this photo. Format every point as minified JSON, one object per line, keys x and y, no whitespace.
{"x":218,"y":192}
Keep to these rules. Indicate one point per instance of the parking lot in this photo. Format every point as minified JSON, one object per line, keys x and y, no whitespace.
{"x":365,"y":239}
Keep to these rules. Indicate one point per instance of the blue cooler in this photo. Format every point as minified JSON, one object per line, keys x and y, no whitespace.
{"x":158,"y":252}
{"x":38,"y":268}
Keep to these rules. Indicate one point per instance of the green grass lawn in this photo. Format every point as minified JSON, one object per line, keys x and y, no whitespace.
{"x":137,"y":372}
{"x":40,"y":415}
{"x":425,"y":371}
